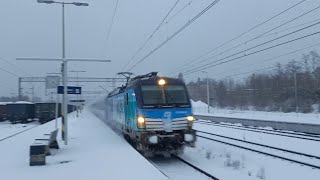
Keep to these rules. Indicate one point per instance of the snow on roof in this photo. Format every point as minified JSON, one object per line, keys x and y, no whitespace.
{"x":23,"y":102}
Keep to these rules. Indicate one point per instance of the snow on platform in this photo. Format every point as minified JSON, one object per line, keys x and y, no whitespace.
{"x":94,"y":152}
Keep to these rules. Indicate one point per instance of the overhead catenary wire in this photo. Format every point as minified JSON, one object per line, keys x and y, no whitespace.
{"x":255,"y":52}
{"x":272,"y":58}
{"x":244,"y":43}
{"x":151,"y":35}
{"x":9,"y":72}
{"x":112,"y":20}
{"x":264,"y":43}
{"x":262,"y":69}
{"x":178,"y":12}
{"x":293,"y":27}
{"x":234,"y":47}
{"x":17,"y":67}
{"x":275,"y":57}
{"x":242,"y":34}
{"x":176,"y":33}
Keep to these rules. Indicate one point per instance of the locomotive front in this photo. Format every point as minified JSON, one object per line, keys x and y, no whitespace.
{"x":164,"y":116}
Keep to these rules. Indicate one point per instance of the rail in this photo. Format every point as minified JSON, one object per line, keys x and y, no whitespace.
{"x":289,"y":126}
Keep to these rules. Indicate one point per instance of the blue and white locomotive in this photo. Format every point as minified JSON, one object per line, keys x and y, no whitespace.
{"x":153,"y":113}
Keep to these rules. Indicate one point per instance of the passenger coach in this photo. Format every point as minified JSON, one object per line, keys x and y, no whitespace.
{"x":153,"y":113}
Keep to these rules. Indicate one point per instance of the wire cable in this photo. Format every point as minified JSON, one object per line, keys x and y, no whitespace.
{"x":9,"y":72}
{"x":240,"y":35}
{"x":299,"y":25}
{"x":17,"y":67}
{"x":176,"y":33}
{"x":264,"y":43}
{"x":178,"y":12}
{"x":262,"y":34}
{"x":255,"y":52}
{"x":112,"y":20}
{"x":151,"y":35}
{"x":275,"y":57}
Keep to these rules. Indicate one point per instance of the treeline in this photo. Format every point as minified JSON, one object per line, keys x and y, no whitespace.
{"x":292,"y":87}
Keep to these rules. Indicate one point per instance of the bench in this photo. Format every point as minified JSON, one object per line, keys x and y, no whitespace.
{"x":41,"y":148}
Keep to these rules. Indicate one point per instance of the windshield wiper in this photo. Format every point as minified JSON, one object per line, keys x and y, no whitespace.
{"x":167,"y":106}
{"x":184,"y":105}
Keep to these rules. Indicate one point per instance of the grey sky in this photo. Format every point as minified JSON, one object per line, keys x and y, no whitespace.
{"x":29,"y":29}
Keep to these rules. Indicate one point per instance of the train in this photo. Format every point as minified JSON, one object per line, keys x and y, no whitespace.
{"x":153,"y":113}
{"x":3,"y":112}
{"x":25,"y":112}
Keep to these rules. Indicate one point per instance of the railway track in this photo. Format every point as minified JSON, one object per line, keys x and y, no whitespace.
{"x":196,"y":168}
{"x":284,"y":154}
{"x":178,"y":168}
{"x":297,"y":135}
{"x":17,"y":133}
{"x":279,"y":125}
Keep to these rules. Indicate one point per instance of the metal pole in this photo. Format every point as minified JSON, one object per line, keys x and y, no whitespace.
{"x":57,"y":111}
{"x":208,"y":99}
{"x":65,"y":83}
{"x":296,"y":90}
{"x":32,"y":93}
{"x":78,"y":94}
{"x":19,"y":89}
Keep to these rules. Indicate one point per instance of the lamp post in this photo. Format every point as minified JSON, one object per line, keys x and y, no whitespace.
{"x":208,"y":93}
{"x":64,"y":63}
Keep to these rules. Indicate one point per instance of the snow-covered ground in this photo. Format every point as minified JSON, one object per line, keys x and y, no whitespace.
{"x":8,"y":129}
{"x":94,"y":152}
{"x":201,"y":108}
{"x":230,"y":163}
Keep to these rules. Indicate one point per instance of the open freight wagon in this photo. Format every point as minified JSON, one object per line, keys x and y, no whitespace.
{"x":3,"y":112}
{"x":20,"y":112}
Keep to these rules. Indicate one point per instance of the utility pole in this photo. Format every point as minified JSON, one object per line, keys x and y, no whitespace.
{"x":296,"y":90}
{"x":32,"y":93}
{"x":64,"y":66}
{"x":208,"y":93}
{"x":19,"y":89}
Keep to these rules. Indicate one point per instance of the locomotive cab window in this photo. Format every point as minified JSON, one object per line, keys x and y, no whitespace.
{"x":164,"y":95}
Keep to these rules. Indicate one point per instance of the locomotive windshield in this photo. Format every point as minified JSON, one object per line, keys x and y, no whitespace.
{"x":164,"y":95}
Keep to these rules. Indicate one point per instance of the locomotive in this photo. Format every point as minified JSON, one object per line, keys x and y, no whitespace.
{"x":153,"y":113}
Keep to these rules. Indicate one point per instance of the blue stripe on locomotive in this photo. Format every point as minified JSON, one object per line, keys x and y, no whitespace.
{"x":162,"y":113}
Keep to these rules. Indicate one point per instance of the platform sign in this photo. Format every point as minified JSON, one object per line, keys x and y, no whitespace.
{"x":71,"y":90}
{"x":52,"y":82}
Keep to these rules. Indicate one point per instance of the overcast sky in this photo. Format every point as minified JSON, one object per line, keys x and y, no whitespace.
{"x":29,"y":29}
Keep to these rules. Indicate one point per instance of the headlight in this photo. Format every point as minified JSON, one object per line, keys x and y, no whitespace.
{"x":190,"y":118}
{"x":141,"y":119}
{"x":141,"y":122}
{"x":161,"y":82}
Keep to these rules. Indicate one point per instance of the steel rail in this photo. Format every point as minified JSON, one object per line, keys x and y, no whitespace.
{"x":265,"y":131}
{"x":261,"y":152}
